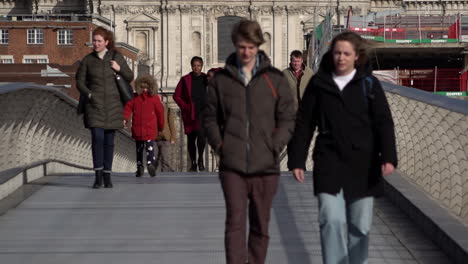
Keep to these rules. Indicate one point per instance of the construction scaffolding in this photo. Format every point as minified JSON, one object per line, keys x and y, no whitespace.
{"x":398,"y":28}
{"x":392,"y":27}
{"x":321,"y":38}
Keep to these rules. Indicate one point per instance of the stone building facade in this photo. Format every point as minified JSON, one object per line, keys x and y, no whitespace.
{"x":169,"y":32}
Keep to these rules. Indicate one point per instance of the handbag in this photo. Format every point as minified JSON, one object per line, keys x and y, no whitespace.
{"x":80,"y":109}
{"x":125,"y":89}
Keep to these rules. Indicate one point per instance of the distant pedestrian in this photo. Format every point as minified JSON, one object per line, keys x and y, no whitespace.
{"x":298,"y":75}
{"x":166,"y":138}
{"x":147,"y":115}
{"x":190,"y":96}
{"x":103,"y":113}
{"x":355,"y":146}
{"x":249,"y":118}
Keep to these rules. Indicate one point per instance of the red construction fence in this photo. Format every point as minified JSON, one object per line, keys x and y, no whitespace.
{"x":431,"y":80}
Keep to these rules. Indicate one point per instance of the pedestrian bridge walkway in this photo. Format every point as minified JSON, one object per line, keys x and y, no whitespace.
{"x":177,"y":218}
{"x":48,"y":213}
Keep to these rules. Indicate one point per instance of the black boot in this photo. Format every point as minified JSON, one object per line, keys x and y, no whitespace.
{"x":107,"y":180}
{"x":193,"y":168}
{"x":140,"y":171}
{"x":98,"y":179}
{"x":201,"y":167}
{"x":151,"y":169}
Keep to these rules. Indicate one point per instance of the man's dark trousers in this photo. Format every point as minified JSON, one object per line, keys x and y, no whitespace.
{"x":256,"y":193}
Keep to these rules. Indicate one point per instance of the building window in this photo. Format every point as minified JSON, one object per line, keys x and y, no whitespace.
{"x":225,"y":46}
{"x":65,"y":36}
{"x":3,"y":36}
{"x":35,"y":36}
{"x":266,"y":47}
{"x":40,"y":59}
{"x":6,"y":59}
{"x":142,"y":43}
{"x":196,"y":44}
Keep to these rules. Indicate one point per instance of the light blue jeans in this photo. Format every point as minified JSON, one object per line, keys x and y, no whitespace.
{"x":344,"y":228}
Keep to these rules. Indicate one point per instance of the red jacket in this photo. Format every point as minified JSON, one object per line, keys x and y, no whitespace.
{"x":148,"y":116}
{"x":183,"y":98}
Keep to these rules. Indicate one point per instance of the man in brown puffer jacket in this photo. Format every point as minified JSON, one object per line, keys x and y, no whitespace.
{"x":248,"y":119}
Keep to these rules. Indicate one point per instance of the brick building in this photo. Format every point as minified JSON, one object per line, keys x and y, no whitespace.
{"x":59,"y":41}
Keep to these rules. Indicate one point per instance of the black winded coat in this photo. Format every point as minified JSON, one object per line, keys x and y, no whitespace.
{"x":96,"y":77}
{"x":356,"y":134}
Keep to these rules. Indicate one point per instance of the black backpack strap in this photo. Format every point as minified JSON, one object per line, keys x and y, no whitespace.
{"x":367,"y":89}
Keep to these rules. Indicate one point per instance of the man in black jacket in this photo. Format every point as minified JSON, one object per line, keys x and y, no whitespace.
{"x":248,"y":118}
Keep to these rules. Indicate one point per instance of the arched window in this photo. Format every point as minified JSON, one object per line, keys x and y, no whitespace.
{"x":196,"y":44}
{"x":266,"y":47}
{"x":142,"y":43}
{"x":225,"y":47}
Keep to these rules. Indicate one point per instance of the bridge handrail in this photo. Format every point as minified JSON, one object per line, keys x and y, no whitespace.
{"x":40,"y":123}
{"x":454,"y":105}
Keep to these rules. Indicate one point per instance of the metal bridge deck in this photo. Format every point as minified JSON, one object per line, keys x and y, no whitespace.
{"x":176,"y":218}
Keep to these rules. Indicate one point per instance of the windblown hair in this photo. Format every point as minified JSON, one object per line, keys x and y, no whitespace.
{"x":248,"y":30}
{"x":148,"y":82}
{"x":107,"y":35}
{"x":359,"y":44}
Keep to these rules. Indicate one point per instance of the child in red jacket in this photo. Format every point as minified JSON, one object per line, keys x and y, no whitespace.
{"x":147,"y":120}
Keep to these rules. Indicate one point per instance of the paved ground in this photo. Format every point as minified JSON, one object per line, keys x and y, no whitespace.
{"x":173,"y":219}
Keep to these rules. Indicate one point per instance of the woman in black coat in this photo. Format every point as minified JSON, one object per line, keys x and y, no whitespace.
{"x":355,"y":146}
{"x":95,"y":79}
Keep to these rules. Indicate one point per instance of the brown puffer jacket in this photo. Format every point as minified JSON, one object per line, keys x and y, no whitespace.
{"x":96,"y":77}
{"x":249,"y":125}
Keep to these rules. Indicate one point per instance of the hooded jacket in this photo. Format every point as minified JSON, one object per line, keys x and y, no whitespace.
{"x":356,"y":133}
{"x":146,"y":110}
{"x":249,"y":124}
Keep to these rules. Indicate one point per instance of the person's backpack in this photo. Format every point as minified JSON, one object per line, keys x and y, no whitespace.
{"x":273,"y":90}
{"x":368,"y":89}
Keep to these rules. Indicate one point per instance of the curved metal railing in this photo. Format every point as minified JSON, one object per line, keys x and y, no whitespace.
{"x":40,"y":123}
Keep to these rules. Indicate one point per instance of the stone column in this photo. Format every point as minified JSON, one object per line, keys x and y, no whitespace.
{"x":278,"y":38}
{"x":293,"y":34}
{"x":185,"y":40}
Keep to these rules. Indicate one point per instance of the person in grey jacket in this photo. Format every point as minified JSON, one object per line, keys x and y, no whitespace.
{"x":248,"y":119}
{"x":104,"y":110}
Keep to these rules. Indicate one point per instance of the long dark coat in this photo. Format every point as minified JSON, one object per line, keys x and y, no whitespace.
{"x":183,"y":98}
{"x":252,"y":122}
{"x":356,"y":134}
{"x":96,"y":77}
